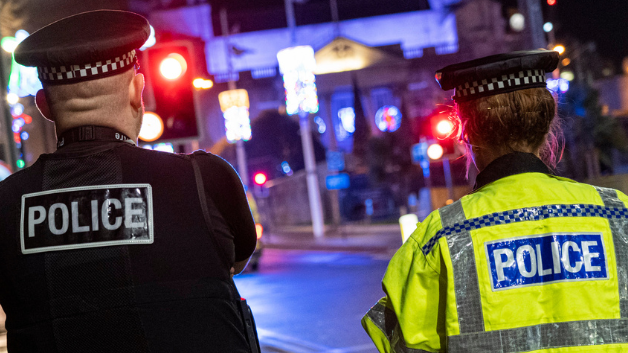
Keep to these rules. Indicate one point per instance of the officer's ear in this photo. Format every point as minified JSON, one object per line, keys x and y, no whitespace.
{"x":135,"y":91}
{"x":42,"y":104}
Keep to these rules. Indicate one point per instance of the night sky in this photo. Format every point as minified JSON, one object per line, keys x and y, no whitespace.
{"x":603,"y":21}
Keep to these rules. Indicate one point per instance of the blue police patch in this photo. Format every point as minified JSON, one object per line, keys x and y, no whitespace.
{"x":546,"y":258}
{"x":87,"y":217}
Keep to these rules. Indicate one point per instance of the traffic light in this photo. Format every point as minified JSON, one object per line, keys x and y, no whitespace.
{"x":551,"y":2}
{"x":442,"y":126}
{"x":442,"y":142}
{"x":171,"y":69}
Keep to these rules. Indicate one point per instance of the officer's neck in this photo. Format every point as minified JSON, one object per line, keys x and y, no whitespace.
{"x":128,"y":132}
{"x":485,"y":156}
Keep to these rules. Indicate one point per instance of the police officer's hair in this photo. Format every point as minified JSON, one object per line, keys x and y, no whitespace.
{"x":93,"y":102}
{"x":522,"y":120}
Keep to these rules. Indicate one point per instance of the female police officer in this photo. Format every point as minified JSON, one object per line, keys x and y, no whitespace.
{"x":528,"y":261}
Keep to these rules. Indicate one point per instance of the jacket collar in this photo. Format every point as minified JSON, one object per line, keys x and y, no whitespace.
{"x":510,"y":164}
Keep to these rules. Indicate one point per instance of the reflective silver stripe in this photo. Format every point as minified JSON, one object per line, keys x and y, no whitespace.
{"x":466,"y":284}
{"x":384,"y":318}
{"x":528,"y":214}
{"x":545,"y":336}
{"x":619,"y":229}
{"x":400,"y":347}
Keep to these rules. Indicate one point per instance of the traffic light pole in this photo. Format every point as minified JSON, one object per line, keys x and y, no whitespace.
{"x":240,"y":151}
{"x":316,"y":208}
{"x":242,"y":169}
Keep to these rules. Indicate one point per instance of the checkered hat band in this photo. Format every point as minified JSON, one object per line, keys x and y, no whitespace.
{"x":505,"y":83}
{"x":76,"y":73}
{"x":527,"y":214}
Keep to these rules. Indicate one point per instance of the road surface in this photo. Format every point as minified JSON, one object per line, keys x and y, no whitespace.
{"x":312,"y":301}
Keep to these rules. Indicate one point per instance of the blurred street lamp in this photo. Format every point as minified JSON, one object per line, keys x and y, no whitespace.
{"x":12,"y":98}
{"x":548,"y":27}
{"x":559,"y":48}
{"x":152,"y":127}
{"x":201,"y":83}
{"x":235,"y":108}
{"x":297,"y":65}
{"x":567,"y":75}
{"x":9,"y":44}
{"x":517,"y":22}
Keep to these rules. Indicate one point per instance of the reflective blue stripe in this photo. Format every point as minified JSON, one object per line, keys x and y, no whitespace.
{"x":528,"y":214}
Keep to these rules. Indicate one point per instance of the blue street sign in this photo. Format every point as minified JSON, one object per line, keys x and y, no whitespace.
{"x":335,"y":182}
{"x":335,"y":161}
{"x":419,"y":152}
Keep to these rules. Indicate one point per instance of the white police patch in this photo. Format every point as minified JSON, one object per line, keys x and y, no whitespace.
{"x":87,"y":217}
{"x":546,"y":258}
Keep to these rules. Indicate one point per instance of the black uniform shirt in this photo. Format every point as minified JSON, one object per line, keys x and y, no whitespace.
{"x":222,"y":185}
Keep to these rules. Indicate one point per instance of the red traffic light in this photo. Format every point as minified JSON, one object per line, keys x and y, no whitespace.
{"x":551,"y":2}
{"x":170,"y":68}
{"x":445,"y":127}
{"x":442,"y":126}
{"x":260,"y":178}
{"x":173,"y":66}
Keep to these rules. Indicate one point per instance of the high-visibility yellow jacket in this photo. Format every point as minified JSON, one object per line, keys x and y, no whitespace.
{"x":528,"y":263}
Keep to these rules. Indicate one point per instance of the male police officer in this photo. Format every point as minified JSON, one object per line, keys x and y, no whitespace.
{"x":107,"y":247}
{"x":528,"y":262}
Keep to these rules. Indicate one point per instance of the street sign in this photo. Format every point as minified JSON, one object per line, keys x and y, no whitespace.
{"x":336,"y":182}
{"x":419,"y":152}
{"x":335,"y":161}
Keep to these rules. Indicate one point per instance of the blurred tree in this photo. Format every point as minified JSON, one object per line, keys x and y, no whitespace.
{"x":591,"y":136}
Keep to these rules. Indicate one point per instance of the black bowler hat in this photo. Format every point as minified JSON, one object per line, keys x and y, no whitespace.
{"x":86,"y":46}
{"x":497,"y":74}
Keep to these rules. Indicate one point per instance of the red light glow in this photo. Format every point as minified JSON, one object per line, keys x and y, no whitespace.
{"x":445,"y":127}
{"x":173,"y":66}
{"x":260,"y":178}
{"x":551,"y":2}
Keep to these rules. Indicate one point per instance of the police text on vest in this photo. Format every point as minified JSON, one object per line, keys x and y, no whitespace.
{"x":86,"y":217}
{"x":547,"y":258}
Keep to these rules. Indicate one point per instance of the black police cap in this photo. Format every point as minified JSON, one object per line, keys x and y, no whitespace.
{"x":86,"y":46}
{"x":497,"y":74}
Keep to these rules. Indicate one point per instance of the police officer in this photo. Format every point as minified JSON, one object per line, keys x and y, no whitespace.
{"x":105,"y":246}
{"x":529,"y":261}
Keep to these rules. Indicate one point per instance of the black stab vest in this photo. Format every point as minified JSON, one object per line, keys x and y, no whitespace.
{"x":173,"y":295}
